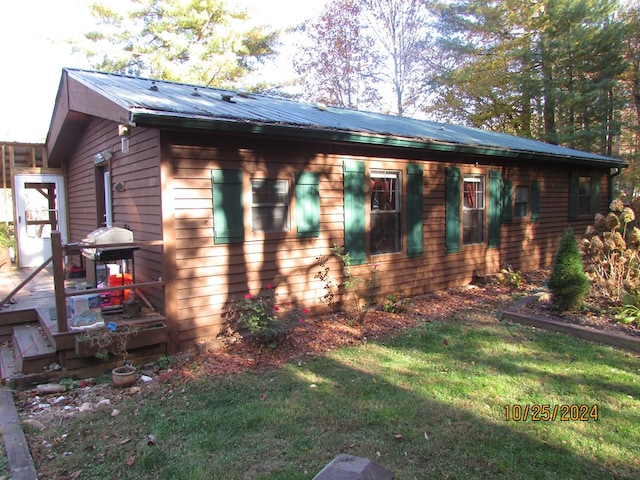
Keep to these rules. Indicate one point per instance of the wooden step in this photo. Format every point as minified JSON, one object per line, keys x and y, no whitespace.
{"x":7,"y":361}
{"x":32,"y":348}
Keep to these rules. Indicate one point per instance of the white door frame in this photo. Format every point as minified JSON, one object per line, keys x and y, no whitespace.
{"x":33,"y":252}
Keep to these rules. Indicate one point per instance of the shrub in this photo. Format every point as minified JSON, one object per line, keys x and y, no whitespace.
{"x":510,"y":277}
{"x":266,"y":321}
{"x":568,"y":283}
{"x":628,"y":314}
{"x":323,"y":275}
{"x":394,"y":304}
{"x":610,"y":249}
{"x":362,"y":297}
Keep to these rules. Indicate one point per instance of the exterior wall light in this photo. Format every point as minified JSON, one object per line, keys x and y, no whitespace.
{"x":123,"y":132}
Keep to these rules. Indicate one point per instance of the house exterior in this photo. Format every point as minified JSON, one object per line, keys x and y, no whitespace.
{"x":247,"y":190}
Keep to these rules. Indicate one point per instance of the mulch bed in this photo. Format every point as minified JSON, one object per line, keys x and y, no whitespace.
{"x":318,"y":336}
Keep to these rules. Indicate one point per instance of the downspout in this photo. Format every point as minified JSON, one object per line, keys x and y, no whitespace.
{"x":616,"y":171}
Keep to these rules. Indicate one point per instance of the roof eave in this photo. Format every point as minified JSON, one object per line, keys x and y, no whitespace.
{"x":152,"y":119}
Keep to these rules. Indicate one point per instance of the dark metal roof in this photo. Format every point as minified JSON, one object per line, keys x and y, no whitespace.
{"x":164,"y":103}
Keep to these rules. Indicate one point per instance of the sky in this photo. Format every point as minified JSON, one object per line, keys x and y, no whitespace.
{"x":33,"y":52}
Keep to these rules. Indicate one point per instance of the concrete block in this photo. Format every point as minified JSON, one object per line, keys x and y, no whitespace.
{"x":347,"y":467}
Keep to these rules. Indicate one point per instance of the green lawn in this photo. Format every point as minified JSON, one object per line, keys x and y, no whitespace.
{"x":428,"y":404}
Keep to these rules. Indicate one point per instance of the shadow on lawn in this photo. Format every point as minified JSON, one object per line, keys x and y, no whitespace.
{"x":548,"y":354}
{"x":418,"y":436}
{"x":417,"y":405}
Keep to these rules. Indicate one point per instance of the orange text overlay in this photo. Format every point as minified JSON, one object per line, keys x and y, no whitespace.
{"x":550,"y":413}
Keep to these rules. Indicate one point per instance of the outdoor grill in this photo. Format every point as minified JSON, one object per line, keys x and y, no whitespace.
{"x":105,"y":236}
{"x":115,"y":254}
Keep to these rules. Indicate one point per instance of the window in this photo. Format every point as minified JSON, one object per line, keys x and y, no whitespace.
{"x":386,"y":211}
{"x":473,"y":209}
{"x":584,"y":194}
{"x":381,"y":193}
{"x":269,"y":205}
{"x":521,"y":202}
{"x":585,"y":191}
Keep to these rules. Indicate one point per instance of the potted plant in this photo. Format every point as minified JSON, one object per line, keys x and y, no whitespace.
{"x":112,"y":339}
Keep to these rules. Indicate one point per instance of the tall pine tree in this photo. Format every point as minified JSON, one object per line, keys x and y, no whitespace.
{"x":198,"y":41}
{"x":542,"y":69}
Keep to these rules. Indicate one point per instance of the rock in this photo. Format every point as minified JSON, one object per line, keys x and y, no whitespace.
{"x":35,"y":424}
{"x":51,"y":388}
{"x":347,"y":467}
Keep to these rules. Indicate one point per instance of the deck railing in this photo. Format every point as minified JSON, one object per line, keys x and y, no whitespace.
{"x":59,"y":251}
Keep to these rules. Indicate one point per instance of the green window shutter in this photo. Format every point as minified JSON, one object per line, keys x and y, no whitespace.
{"x":507,"y":201}
{"x":414,"y":210}
{"x":452,"y":209}
{"x":574,"y":184}
{"x":228,"y":219}
{"x":308,"y":204}
{"x":535,"y":201}
{"x":354,"y":211}
{"x":494,"y":209}
{"x":595,"y":200}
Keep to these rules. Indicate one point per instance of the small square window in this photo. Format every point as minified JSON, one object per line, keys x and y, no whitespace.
{"x":269,"y":205}
{"x":521,"y":202}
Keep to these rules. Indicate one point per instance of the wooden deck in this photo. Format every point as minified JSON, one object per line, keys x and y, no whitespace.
{"x":31,"y":342}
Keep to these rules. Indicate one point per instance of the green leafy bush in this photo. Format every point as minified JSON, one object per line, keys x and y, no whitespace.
{"x":6,"y":239}
{"x":568,"y":283}
{"x":628,"y":314}
{"x":394,"y":304}
{"x":266,"y":321}
{"x":511,"y":277}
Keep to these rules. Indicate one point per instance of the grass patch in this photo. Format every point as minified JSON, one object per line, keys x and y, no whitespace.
{"x":429,"y":403}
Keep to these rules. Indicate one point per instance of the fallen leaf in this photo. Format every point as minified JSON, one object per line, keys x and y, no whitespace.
{"x":445,"y":341}
{"x":130,"y":461}
{"x":124,"y":440}
{"x":398,"y":437}
{"x":263,"y":396}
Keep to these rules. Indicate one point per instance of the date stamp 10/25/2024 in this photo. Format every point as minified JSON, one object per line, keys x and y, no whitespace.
{"x":550,"y":413}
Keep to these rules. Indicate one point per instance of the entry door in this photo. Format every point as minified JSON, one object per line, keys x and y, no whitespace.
{"x":41,"y":209}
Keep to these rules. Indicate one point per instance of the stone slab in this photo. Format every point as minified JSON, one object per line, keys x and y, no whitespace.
{"x":348,"y":467}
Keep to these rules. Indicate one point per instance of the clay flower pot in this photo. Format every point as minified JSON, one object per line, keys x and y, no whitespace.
{"x":124,"y":376}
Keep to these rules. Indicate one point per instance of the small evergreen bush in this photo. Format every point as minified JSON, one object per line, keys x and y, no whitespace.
{"x":568,"y":283}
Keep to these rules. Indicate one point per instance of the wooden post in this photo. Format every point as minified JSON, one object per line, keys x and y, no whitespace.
{"x":58,"y":281}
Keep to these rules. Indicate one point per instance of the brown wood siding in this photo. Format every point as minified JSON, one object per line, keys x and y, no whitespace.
{"x":137,"y":206}
{"x":81,"y":187}
{"x":208,"y":275}
{"x":528,"y":245}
